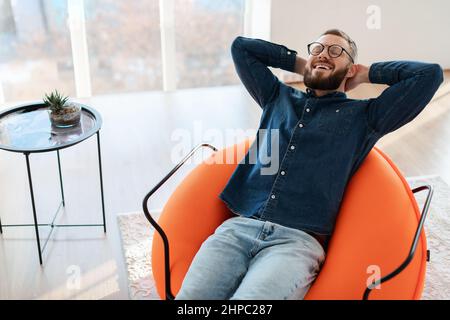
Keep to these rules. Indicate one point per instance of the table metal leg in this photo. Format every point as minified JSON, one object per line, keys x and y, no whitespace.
{"x":36,"y":228}
{"x":60,"y":179}
{"x":101,"y":179}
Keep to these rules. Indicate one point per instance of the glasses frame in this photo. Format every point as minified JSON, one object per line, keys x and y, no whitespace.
{"x":328,"y":50}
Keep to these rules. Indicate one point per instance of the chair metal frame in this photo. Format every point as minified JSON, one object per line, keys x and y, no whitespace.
{"x":369,"y":288}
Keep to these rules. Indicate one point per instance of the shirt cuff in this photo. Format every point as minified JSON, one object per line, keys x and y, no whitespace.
{"x":288,"y":58}
{"x":374,"y":73}
{"x":382,"y":73}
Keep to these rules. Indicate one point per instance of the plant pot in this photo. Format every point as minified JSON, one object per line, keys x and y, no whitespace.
{"x":66,"y":117}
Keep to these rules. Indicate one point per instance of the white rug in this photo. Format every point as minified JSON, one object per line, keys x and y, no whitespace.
{"x":136,"y":233}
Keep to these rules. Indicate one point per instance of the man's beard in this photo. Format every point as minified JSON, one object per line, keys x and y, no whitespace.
{"x":317,"y":82}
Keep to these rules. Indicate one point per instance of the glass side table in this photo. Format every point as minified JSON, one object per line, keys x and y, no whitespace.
{"x":27,"y":129}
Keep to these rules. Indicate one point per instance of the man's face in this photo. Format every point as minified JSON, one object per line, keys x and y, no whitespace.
{"x":323,"y":72}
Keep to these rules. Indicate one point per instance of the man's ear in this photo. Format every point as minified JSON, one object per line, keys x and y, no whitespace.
{"x":352,"y":71}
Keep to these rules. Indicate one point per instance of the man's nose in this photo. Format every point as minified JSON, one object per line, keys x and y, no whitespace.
{"x":324,"y":54}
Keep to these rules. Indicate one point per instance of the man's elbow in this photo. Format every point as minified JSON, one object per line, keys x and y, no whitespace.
{"x":437,"y":74}
{"x":236,"y":45}
{"x":433,"y":78}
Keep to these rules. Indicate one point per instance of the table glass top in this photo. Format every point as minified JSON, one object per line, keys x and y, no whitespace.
{"x":29,"y":129}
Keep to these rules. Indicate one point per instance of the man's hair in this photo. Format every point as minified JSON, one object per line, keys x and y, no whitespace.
{"x":353,"y":48}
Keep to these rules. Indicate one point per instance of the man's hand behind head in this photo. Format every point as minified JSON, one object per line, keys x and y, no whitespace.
{"x":361,"y":76}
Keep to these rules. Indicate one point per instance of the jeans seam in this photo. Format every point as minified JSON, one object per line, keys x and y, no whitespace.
{"x":256,"y":245}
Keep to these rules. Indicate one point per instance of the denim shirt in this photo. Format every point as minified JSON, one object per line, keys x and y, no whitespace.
{"x":319,"y":141}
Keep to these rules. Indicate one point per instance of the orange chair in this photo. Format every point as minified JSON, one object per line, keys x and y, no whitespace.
{"x":377,"y":222}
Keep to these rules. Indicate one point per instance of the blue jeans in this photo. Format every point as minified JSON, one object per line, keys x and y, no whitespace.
{"x":253,"y":259}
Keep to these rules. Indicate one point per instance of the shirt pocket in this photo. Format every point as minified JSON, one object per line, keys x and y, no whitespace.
{"x":336,"y":120}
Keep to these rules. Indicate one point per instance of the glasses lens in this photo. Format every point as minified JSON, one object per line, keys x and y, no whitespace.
{"x":315,"y":48}
{"x":335,"y":51}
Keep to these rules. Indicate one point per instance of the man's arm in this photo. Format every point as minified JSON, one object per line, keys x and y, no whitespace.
{"x":252,"y":57}
{"x":412,"y":86}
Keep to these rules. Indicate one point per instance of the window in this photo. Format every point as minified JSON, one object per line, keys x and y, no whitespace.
{"x":35,"y":50}
{"x":124,"y":45}
{"x":204,"y":30}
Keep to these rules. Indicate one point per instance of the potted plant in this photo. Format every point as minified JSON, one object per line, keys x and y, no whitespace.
{"x":62,"y":112}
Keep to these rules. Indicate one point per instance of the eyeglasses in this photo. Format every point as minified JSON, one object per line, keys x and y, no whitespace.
{"x":334,"y":51}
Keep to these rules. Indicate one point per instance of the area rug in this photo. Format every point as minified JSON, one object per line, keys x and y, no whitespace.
{"x":136,"y":234}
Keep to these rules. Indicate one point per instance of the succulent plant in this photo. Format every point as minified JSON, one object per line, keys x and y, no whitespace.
{"x":55,"y":101}
{"x":62,"y":113}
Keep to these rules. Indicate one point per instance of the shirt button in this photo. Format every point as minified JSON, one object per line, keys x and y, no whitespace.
{"x":307,"y":110}
{"x":283,"y":173}
{"x":292,"y":147}
{"x":288,"y":52}
{"x":272,"y":196}
{"x":301,"y":125}
{"x":337,"y":110}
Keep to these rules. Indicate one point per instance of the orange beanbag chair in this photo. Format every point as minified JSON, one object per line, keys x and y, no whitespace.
{"x":373,"y":233}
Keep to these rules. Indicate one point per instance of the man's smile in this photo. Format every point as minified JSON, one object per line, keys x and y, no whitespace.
{"x":322,"y":66}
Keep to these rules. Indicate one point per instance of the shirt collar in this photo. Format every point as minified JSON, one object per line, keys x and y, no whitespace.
{"x":334,"y":94}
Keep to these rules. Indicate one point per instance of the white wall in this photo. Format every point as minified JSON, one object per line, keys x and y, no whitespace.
{"x":410,"y":29}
